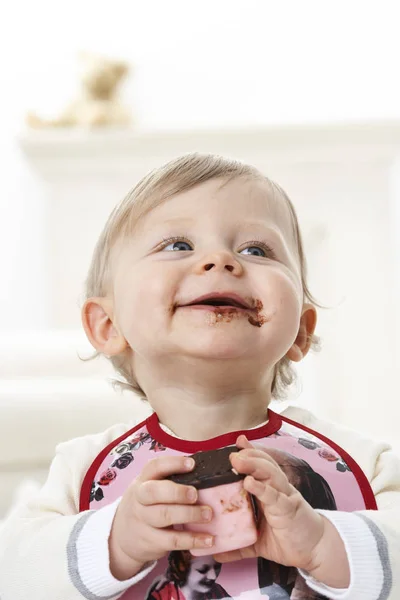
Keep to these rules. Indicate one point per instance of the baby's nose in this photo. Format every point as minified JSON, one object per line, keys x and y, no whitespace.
{"x":220,"y":261}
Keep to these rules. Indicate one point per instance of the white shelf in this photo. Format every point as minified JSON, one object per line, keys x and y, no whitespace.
{"x":63,"y":148}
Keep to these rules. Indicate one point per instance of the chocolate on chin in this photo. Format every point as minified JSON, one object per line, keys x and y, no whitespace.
{"x":220,"y":487}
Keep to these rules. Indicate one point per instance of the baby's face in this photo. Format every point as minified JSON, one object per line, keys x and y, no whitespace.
{"x":211,"y":273}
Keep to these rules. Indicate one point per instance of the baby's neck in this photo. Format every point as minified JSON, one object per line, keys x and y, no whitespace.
{"x":188,"y":417}
{"x":201,"y":399}
{"x":172,"y":433}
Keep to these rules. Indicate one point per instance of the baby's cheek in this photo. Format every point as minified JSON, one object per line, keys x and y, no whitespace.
{"x":285,"y":321}
{"x":128,"y":313}
{"x":142,"y":318}
{"x":290,"y":299}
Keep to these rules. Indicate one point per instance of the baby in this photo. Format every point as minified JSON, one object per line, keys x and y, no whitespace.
{"x":197,"y":292}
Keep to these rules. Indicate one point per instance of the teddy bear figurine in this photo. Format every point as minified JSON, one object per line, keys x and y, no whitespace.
{"x":97,"y":104}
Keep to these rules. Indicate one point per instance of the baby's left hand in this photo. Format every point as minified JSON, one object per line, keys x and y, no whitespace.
{"x":291,"y":532}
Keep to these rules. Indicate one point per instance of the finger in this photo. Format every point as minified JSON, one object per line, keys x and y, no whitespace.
{"x":165,"y":492}
{"x":261,"y":469}
{"x":232,"y":555}
{"x":273,"y":500}
{"x":226,"y":557}
{"x":159,"y":468}
{"x":257,"y":451}
{"x":166,"y":515}
{"x":168,"y":540}
{"x":243,"y":442}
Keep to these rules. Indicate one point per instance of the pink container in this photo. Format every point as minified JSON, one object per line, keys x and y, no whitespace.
{"x":233,"y":523}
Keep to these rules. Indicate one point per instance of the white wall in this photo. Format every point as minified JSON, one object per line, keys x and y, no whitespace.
{"x":204,"y":65}
{"x":214,"y":63}
{"x":224,"y":62}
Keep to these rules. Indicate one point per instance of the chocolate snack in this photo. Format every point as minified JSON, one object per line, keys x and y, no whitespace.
{"x":212,"y":468}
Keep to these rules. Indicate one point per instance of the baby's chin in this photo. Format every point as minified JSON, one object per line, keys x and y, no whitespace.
{"x":220,"y":347}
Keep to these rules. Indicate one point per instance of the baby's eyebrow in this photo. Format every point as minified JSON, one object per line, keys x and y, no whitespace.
{"x":182,"y":221}
{"x":247,"y":224}
{"x":269,"y":228}
{"x":161,"y":227}
{"x":255,"y":223}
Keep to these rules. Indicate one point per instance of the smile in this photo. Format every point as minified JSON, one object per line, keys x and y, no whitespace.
{"x":220,"y":308}
{"x":226,"y":307}
{"x":220,"y":302}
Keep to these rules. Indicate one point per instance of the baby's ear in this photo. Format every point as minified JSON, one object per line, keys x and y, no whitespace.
{"x":303,"y":340}
{"x":98,"y":323}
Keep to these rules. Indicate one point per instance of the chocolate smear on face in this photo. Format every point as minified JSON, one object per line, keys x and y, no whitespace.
{"x":257,"y":319}
{"x":217,"y":316}
{"x":225,"y":314}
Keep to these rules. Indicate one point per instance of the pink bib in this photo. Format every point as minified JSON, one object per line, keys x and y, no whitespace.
{"x":326,"y":476}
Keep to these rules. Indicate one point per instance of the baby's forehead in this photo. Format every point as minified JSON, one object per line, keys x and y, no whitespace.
{"x":278,"y":207}
{"x":252,"y":195}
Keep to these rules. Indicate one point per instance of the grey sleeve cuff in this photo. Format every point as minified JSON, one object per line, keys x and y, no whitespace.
{"x":88,"y":557}
{"x":368,"y":555}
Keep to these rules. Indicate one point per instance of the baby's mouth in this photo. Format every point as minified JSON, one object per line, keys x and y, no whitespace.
{"x":227,"y":306}
{"x":220,"y":303}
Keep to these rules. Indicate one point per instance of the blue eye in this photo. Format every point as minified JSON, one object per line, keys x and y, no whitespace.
{"x":177,"y":246}
{"x":254,"y":251}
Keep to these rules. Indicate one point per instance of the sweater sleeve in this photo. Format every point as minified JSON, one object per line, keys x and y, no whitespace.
{"x":46,"y":545}
{"x":371,"y":537}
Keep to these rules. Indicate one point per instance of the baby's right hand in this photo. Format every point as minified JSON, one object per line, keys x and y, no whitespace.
{"x":142,"y":530}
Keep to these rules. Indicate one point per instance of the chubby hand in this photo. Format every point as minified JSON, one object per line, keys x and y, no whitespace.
{"x":142,"y":530}
{"x":291,"y":532}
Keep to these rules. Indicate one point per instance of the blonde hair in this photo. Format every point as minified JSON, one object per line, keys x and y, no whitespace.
{"x":177,"y":176}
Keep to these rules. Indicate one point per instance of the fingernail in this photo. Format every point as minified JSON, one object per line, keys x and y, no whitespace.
{"x":189,"y":463}
{"x":192,"y":495}
{"x":206,"y":514}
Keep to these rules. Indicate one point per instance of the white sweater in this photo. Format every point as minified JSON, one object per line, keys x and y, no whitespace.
{"x":50,"y":551}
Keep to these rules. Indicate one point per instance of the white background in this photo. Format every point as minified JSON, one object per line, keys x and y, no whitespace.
{"x":211,"y":64}
{"x":196,"y":64}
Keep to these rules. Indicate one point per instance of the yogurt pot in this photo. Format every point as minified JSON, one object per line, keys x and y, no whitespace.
{"x":219,"y":486}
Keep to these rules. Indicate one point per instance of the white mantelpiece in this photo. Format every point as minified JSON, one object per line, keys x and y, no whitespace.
{"x":52,"y":150}
{"x":340,"y":180}
{"x":84,"y":174}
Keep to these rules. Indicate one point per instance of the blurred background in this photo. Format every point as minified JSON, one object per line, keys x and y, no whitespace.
{"x":94,"y":94}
